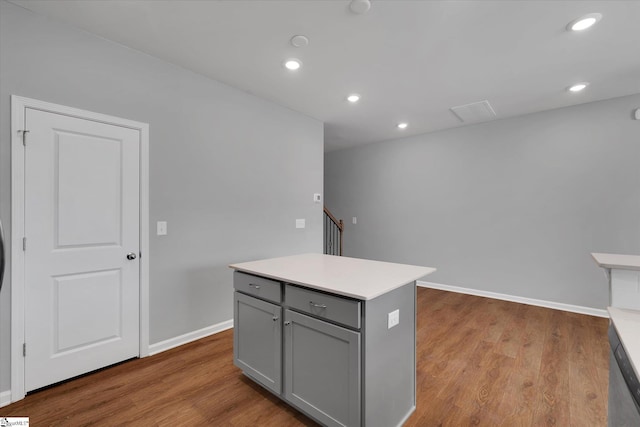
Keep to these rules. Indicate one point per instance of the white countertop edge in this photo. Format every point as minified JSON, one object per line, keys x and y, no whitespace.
{"x":331,"y":290}
{"x":627,"y":324}
{"x":321,"y":279}
{"x":624,"y":262}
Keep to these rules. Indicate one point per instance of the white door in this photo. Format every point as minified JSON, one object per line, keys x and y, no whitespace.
{"x":81,"y":222}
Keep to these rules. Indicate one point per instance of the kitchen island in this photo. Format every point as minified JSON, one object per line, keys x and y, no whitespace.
{"x":332,"y":336}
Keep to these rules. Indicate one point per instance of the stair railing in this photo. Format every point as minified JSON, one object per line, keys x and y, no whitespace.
{"x":333,"y":229}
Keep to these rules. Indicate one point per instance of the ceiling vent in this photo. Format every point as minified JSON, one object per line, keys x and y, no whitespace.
{"x":475,"y":112}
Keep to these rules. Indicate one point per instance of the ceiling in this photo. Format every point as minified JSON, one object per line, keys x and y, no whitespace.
{"x":409,"y":60}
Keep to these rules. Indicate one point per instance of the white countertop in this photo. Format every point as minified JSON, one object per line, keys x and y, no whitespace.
{"x":625,"y":262}
{"x":351,"y":277}
{"x":627,"y":324}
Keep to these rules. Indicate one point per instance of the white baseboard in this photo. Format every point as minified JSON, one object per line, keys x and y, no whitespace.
{"x":5,"y":398}
{"x":522,"y":300}
{"x":189,"y":337}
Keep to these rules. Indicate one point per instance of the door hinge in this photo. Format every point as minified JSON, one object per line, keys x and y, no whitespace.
{"x":24,"y":243}
{"x":24,"y":136}
{"x":24,"y":349}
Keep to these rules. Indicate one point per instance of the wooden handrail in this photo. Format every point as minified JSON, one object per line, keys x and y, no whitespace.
{"x":337,"y":222}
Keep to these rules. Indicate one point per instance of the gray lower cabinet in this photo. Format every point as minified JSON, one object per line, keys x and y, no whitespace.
{"x":322,"y":369}
{"x":257,"y":339}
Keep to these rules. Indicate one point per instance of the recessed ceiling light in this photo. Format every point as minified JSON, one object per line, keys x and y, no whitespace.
{"x":292,"y":64}
{"x":584,"y":22}
{"x":402,"y":125}
{"x":577,"y":87}
{"x":354,"y":97}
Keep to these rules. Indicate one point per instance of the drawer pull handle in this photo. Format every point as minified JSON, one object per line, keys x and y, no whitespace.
{"x":275,"y":318}
{"x":287,"y":323}
{"x":254,"y":286}
{"x":313,"y":304}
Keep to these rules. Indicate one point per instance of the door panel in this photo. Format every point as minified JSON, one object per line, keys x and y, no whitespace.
{"x":322,"y":369}
{"x":257,"y":334}
{"x":81,"y":219}
{"x":88,"y":210}
{"x":86,"y":309}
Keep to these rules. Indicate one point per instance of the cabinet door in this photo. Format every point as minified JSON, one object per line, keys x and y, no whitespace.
{"x":322,"y":369}
{"x":257,"y":340}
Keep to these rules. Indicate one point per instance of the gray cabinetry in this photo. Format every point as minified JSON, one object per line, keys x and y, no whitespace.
{"x":257,"y":339}
{"x":345,"y":311}
{"x":322,"y":369}
{"x":259,"y":287}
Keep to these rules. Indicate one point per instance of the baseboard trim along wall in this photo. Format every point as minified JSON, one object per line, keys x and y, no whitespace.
{"x":5,"y":398}
{"x":189,"y":337}
{"x":522,"y":300}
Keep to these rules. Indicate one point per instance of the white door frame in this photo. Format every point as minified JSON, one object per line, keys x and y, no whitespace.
{"x":18,"y":106}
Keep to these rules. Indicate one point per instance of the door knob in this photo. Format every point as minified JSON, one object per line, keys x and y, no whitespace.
{"x":131,"y":256}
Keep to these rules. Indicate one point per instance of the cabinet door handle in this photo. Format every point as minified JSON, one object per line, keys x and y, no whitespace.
{"x":275,"y":318}
{"x":313,"y":304}
{"x":251,"y":285}
{"x":287,"y":323}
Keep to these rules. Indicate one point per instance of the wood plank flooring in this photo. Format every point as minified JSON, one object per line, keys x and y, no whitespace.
{"x":481,"y":362}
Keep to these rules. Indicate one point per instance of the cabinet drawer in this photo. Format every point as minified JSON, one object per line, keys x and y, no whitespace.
{"x":334,"y":308}
{"x":257,"y":286}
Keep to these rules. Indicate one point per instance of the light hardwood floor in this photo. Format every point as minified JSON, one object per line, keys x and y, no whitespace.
{"x":480,"y":362}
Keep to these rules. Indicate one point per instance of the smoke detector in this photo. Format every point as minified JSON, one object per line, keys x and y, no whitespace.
{"x":299,"y":41}
{"x":360,"y":7}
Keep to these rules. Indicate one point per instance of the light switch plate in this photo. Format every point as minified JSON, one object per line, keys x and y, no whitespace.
{"x":300,"y":223}
{"x":317,"y":197}
{"x":393,"y":319}
{"x":354,"y":220}
{"x":161,"y":228}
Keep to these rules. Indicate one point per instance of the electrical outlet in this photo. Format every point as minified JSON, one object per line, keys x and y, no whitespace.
{"x":393,"y":319}
{"x":161,"y":228}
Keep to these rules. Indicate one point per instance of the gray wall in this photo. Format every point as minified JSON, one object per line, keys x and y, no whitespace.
{"x":228,"y":171}
{"x":513,"y":206}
